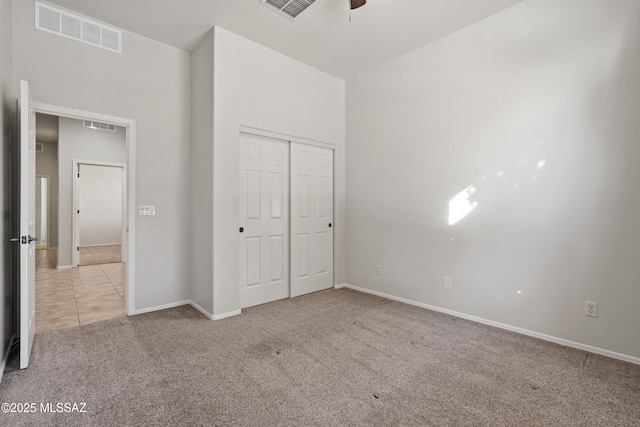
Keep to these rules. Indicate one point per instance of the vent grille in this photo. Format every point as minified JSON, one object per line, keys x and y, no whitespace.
{"x":289,"y":8}
{"x":97,"y":125}
{"x":65,"y":24}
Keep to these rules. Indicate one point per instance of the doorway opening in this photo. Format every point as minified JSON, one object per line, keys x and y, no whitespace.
{"x":42,"y":211}
{"x":76,"y":287}
{"x":99,"y":210}
{"x":26,"y":205}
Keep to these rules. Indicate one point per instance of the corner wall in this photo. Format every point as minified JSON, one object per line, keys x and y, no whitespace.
{"x":535,"y":112}
{"x":7,"y":117}
{"x":202,"y":175}
{"x":257,"y":87}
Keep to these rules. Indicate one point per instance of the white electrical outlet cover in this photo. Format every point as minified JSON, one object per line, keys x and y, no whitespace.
{"x":591,"y":309}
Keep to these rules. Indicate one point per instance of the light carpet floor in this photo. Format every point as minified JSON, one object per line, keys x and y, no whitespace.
{"x":336,"y":357}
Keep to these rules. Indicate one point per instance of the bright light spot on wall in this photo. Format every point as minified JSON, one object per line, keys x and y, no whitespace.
{"x":460,"y":206}
{"x":537,"y":168}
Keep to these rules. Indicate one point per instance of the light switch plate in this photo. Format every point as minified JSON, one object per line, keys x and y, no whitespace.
{"x":147,"y":210}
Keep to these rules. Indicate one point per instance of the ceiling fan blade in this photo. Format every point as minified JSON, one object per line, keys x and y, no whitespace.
{"x":357,"y":3}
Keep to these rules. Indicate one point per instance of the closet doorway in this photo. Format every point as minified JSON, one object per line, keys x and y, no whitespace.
{"x":286,"y":219}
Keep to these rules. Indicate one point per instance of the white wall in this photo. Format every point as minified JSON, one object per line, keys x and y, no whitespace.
{"x":202,"y":174}
{"x":258,"y":87}
{"x":76,"y":142}
{"x":538,"y":108}
{"x":100,"y":205}
{"x":7,"y":108}
{"x":150,"y":83}
{"x":47,"y":165}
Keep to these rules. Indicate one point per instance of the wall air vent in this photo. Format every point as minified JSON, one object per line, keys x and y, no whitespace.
{"x":65,"y":24}
{"x":97,"y":125}
{"x":289,"y":8}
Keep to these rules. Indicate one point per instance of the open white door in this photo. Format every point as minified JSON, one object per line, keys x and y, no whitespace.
{"x":311,"y":219}
{"x":27,"y":223}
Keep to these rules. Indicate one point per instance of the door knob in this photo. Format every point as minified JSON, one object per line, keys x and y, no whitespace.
{"x":329,"y":225}
{"x":241,"y":229}
{"x":25,"y":239}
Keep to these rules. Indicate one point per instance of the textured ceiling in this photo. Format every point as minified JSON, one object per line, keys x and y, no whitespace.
{"x":322,"y":36}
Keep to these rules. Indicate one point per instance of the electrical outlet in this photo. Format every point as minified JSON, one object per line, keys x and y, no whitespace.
{"x":591,"y":308}
{"x":378,"y":270}
{"x":446,"y":282}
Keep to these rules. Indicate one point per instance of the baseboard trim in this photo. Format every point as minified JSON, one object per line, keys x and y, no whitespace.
{"x":5,"y":359}
{"x":64,"y":267}
{"x":225,"y":315}
{"x":340,"y":286}
{"x":101,"y":244}
{"x":160,"y":307}
{"x":186,"y":302}
{"x":550,"y":338}
{"x":202,"y":310}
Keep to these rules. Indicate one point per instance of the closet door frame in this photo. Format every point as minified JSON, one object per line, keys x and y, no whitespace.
{"x":314,"y":143}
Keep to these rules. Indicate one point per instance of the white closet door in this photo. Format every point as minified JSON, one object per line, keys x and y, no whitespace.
{"x":264,"y":220}
{"x":311,"y":219}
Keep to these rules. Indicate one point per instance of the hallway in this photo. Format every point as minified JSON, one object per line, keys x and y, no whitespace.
{"x":78,"y":296}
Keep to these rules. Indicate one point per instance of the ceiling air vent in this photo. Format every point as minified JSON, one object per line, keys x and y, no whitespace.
{"x":97,"y":125}
{"x":289,"y":8}
{"x":65,"y":24}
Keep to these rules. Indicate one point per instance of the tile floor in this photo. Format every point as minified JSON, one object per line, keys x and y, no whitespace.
{"x":73,"y":297}
{"x":90,"y":255}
